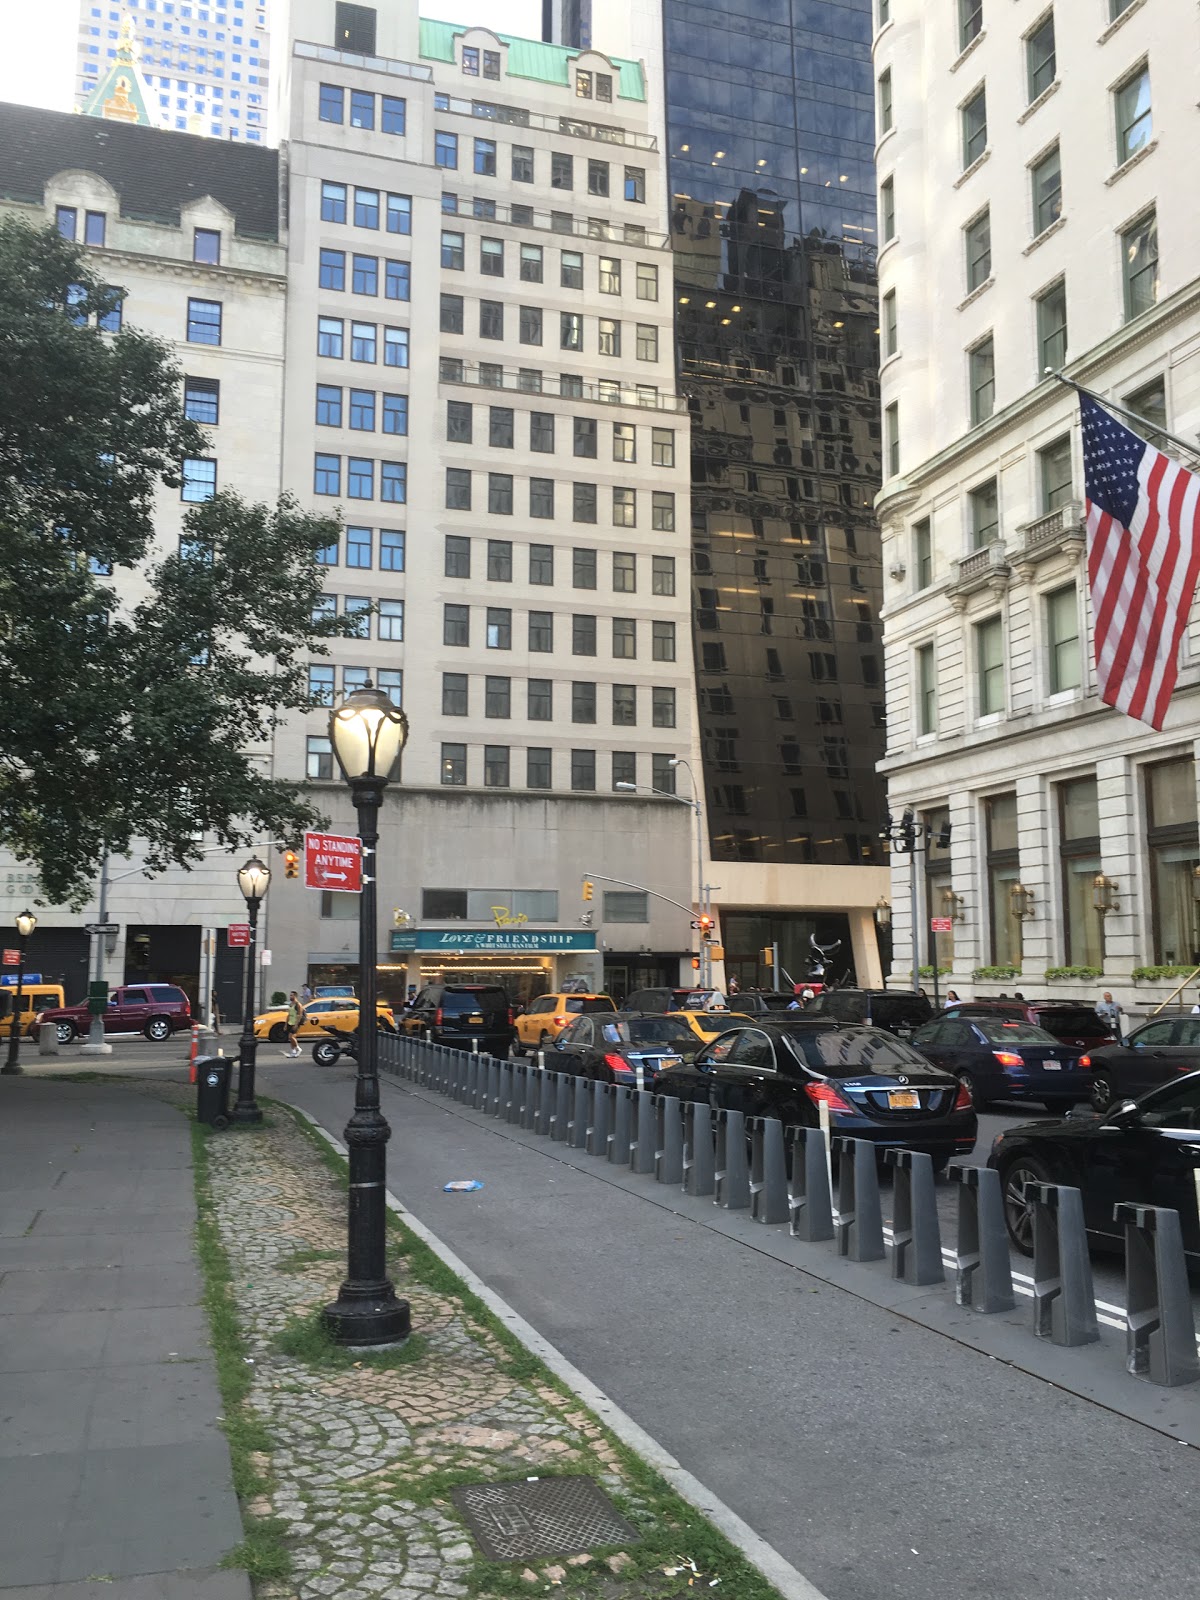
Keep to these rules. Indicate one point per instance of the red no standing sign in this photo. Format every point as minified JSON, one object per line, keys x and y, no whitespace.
{"x":333,"y":861}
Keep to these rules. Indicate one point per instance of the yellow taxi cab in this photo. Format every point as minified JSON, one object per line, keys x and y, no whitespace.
{"x":340,"y":1012}
{"x":35,"y":997}
{"x":709,"y":1025}
{"x":546,"y":1017}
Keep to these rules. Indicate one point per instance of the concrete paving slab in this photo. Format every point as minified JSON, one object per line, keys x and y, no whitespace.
{"x":63,"y":1252}
{"x":196,"y":1585}
{"x":80,"y":1221}
{"x":36,"y":1288}
{"x":51,"y":1412}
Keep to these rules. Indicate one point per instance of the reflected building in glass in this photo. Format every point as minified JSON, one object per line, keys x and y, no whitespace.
{"x":768,"y":119}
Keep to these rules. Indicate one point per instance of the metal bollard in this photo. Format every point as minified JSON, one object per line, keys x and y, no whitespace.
{"x":533,"y":1098}
{"x":577,"y":1133}
{"x":560,"y":1126}
{"x":1064,"y":1301}
{"x":731,"y":1173}
{"x":668,"y":1139}
{"x":768,"y":1170}
{"x":982,"y":1265}
{"x":697,"y":1148}
{"x":858,"y":1220}
{"x":547,"y":1102}
{"x":916,"y":1236}
{"x":810,"y":1199}
{"x":505,"y":1097}
{"x":641,"y":1149}
{"x":620,"y":1115}
{"x":516,"y":1104}
{"x":1160,"y":1328}
{"x":597,"y":1134}
{"x":491,"y":1094}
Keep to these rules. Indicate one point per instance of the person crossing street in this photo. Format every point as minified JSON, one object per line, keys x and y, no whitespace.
{"x":295,"y":1015}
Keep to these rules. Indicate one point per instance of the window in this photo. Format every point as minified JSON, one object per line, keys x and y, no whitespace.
{"x":331,"y":269}
{"x":989,"y":664}
{"x":583,"y":702}
{"x":500,"y":427}
{"x":974,"y":127}
{"x":1079,"y":853}
{"x":395,"y":413}
{"x":662,"y":707}
{"x":584,"y":437}
{"x":1052,"y":328}
{"x":610,"y":275}
{"x":497,"y":697}
{"x":206,"y":246}
{"x":327,"y":555}
{"x":393,"y":482}
{"x":362,"y":109}
{"x":604,"y":86}
{"x":458,"y":489}
{"x":359,"y":542}
{"x":926,"y":687}
{"x":562,"y":171}
{"x":1063,"y":661}
{"x":887,"y":209}
{"x":66,"y":220}
{"x":662,"y":511}
{"x":1003,"y":869}
{"x":470,"y":61}
{"x":981,"y":364}
{"x":399,"y":213}
{"x":570,"y":330}
{"x":583,"y":502}
{"x":457,"y":556}
{"x":571,"y":270}
{"x":391,"y":681}
{"x":583,"y":85}
{"x":456,"y":625}
{"x":635,"y":184}
{"x":624,"y":508}
{"x":540,"y":700}
{"x":321,"y":684}
{"x":333,"y":202}
{"x":495,"y":766}
{"x":1150,"y":403}
{"x":597,"y":177}
{"x":1039,"y":57}
{"x":541,"y":432}
{"x":458,"y":421}
{"x":362,"y":341}
{"x":491,"y":319}
{"x":970,"y":21}
{"x":583,"y":769}
{"x":354,"y":28}
{"x":485,"y":158}
{"x":662,"y":641}
{"x":395,"y":347}
{"x":329,"y":405}
{"x":499,"y":560}
{"x":530,"y":327}
{"x":923,"y":553}
{"x":454,"y":764}
{"x":885,"y":101}
{"x":391,"y":620}
{"x":199,"y":479}
{"x":1172,"y":836}
{"x":204,"y":321}
{"x":499,"y":628}
{"x":624,"y":578}
{"x":327,"y":474}
{"x":647,"y":341}
{"x":984,"y":511}
{"x":445,"y":150}
{"x":391,"y":549}
{"x":522,"y":163}
{"x":451,"y":313}
{"x":541,"y":632}
{"x":1139,"y":262}
{"x":647,"y":281}
{"x":1046,"y":181}
{"x":500,"y":493}
{"x":537,"y":769}
{"x":455,"y":694}
{"x":319,"y":758}
{"x":396,"y":280}
{"x":890,"y":335}
{"x":365,"y":279}
{"x":453,"y":255}
{"x":1134,"y":123}
{"x":329,"y":337}
{"x":529,"y":380}
{"x":583,"y":636}
{"x":978,"y":237}
{"x":95,"y":227}
{"x":360,"y":478}
{"x":202,"y":400}
{"x":624,"y":772}
{"x":583,"y":568}
{"x":662,"y":447}
{"x":624,"y":705}
{"x":392,"y":114}
{"x":891,"y":439}
{"x":491,"y":258}
{"x":624,"y":442}
{"x":541,"y":564}
{"x":366,"y":208}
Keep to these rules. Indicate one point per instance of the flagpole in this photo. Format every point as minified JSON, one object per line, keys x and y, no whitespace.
{"x":1111,"y":405}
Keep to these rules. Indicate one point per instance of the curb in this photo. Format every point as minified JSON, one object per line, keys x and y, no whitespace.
{"x":791,"y":1584}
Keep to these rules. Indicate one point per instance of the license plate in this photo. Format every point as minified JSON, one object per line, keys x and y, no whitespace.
{"x":1052,"y":1066}
{"x":475,"y":1018}
{"x":903,"y":1100}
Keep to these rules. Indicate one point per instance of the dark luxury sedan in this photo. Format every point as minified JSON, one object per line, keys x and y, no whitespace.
{"x":617,"y":1047}
{"x":1153,"y":1054}
{"x":875,"y":1086}
{"x":1146,"y":1151}
{"x":1000,"y":1059}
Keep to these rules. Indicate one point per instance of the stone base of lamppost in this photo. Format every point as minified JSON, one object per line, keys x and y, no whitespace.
{"x":367,"y":1315}
{"x":245,"y":1112}
{"x":11,"y":1069}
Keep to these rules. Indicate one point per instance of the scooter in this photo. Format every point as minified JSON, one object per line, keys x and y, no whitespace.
{"x":328,"y":1052}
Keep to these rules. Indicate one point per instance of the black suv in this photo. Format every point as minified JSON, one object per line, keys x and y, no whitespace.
{"x":898,"y":1011}
{"x":456,"y":1014}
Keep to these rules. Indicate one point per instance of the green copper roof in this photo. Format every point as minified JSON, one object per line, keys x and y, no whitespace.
{"x":529,"y":58}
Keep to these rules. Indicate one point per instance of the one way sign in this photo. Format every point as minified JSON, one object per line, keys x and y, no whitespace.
{"x":333,"y":861}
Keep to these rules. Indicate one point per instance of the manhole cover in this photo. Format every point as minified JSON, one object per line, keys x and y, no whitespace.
{"x":549,"y":1517}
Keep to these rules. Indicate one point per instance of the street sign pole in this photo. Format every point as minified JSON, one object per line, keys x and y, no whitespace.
{"x":96,"y":1044}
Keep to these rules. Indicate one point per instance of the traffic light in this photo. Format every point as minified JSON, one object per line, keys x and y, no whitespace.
{"x":588,"y":889}
{"x":291,"y":864}
{"x":768,"y":955}
{"x":705,"y":924}
{"x":695,"y":963}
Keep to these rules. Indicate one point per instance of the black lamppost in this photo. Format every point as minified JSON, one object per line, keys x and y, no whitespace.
{"x":913,"y":836}
{"x":26,"y":923}
{"x":367,"y":733}
{"x":253,"y":880}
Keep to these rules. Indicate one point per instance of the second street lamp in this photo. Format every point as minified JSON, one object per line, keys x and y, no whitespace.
{"x":368,"y":734}
{"x":26,"y":923}
{"x":253,"y":880}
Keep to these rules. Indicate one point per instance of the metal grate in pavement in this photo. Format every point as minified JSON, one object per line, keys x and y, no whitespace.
{"x":548,"y":1517}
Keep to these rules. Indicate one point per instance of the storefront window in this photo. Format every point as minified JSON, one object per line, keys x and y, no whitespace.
{"x":1174,"y":857}
{"x":1004,"y":870}
{"x":1079,"y":851}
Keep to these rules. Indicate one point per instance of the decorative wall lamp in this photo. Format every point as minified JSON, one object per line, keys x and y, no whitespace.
{"x":955,"y":907}
{"x":883,"y":910}
{"x":1021,"y":900}
{"x":1104,"y":894}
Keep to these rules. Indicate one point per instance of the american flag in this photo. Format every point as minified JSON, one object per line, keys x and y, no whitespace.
{"x":1143,"y":536}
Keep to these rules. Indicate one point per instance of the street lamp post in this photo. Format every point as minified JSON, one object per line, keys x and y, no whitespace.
{"x":703,"y":913}
{"x":26,"y":923}
{"x":368,"y":734}
{"x":253,"y":880}
{"x":911,"y":836}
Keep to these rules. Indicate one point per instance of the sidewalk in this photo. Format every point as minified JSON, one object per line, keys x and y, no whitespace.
{"x":114,"y":1475}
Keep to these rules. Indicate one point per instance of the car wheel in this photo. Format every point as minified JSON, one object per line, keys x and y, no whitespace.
{"x":325,"y":1053}
{"x":972,"y":1088}
{"x":65,"y":1031}
{"x":1018,"y":1216}
{"x":940,"y":1163}
{"x":158,"y":1029}
{"x":1100,"y":1093}
{"x":518,"y":1048}
{"x":277,"y":1033}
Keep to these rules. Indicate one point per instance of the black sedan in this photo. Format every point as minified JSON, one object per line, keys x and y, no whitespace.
{"x":1000,"y":1059}
{"x":1146,"y":1151}
{"x":617,"y":1047}
{"x":1153,"y":1054}
{"x":875,"y":1086}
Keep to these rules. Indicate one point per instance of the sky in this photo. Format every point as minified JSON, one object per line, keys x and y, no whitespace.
{"x":37,"y":66}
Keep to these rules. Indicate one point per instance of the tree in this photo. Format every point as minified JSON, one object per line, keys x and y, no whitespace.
{"x":123,"y":724}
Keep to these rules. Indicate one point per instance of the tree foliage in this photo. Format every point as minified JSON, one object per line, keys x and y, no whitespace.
{"x":139,"y":689}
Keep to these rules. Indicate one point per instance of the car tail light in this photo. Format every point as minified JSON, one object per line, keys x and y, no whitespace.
{"x":1007,"y":1058}
{"x":511,"y":1018}
{"x":1085,"y":1061}
{"x":618,"y":1064}
{"x":962,"y":1100}
{"x":560,"y":1022}
{"x":437,"y":1017}
{"x":824,"y":1094}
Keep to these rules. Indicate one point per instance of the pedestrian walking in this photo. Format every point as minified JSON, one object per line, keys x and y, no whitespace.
{"x":734,"y":986}
{"x":295,"y":1015}
{"x":1109,"y":1013}
{"x":215,"y":1012}
{"x":306,"y":993}
{"x":951,"y":996}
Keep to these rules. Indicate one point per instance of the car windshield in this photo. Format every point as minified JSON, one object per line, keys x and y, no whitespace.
{"x":460,"y":1004}
{"x":588,"y":1005}
{"x":842,"y":1053}
{"x":1063,"y":1020}
{"x":641,"y":1030}
{"x":995,"y":1031}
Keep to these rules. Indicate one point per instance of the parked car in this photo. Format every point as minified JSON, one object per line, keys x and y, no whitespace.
{"x":1068,"y":1020}
{"x":318,"y":1015}
{"x":705,"y":1026}
{"x":760,"y":1001}
{"x":999,"y":1058}
{"x":1153,"y":1054}
{"x":899,"y":1011}
{"x":459,"y":1014}
{"x":35,"y":999}
{"x":875,"y":1086}
{"x":1146,"y":1151}
{"x":544,"y":1018}
{"x":156,"y":1009}
{"x":621,"y":1048}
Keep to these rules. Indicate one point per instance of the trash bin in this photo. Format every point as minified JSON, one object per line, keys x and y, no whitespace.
{"x":212,"y":1090}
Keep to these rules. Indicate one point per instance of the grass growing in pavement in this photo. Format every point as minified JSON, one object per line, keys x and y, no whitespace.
{"x":300,"y":1259}
{"x":307,"y":1340}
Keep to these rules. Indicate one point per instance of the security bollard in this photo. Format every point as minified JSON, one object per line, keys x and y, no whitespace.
{"x":560,"y":1127}
{"x":668,"y":1139}
{"x":620,"y":1118}
{"x":1064,"y":1301}
{"x":598,"y":1107}
{"x":533,"y":1097}
{"x":731,"y":1175}
{"x":810,"y":1199}
{"x":516,"y":1104}
{"x":581,"y":1102}
{"x":697,"y":1175}
{"x":470,"y":1083}
{"x":982,"y":1266}
{"x":1160,"y":1329}
{"x":858,"y":1220}
{"x":916,"y":1235}
{"x":547,"y":1099}
{"x":491,"y":1096}
{"x":506,"y":1091}
{"x":641,"y":1149}
{"x":768,"y":1170}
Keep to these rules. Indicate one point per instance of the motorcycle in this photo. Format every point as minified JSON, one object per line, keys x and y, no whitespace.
{"x":328,"y":1052}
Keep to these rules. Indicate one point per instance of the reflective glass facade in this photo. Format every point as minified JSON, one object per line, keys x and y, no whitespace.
{"x":770,"y":129}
